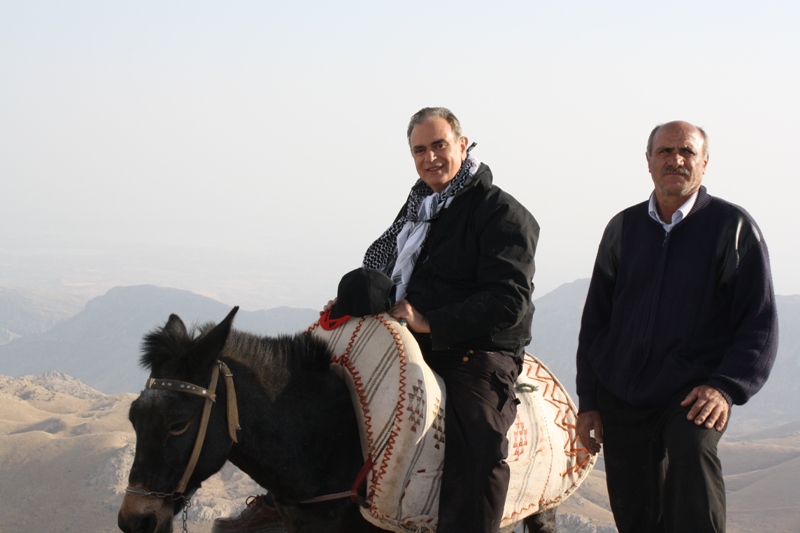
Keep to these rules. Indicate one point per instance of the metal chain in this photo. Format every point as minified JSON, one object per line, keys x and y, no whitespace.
{"x":186,"y":505}
{"x":174,"y":496}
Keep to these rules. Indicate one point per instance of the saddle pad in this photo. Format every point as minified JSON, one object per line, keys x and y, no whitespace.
{"x":400,"y":403}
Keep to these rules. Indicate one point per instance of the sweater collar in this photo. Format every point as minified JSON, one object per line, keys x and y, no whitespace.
{"x":682,"y":212}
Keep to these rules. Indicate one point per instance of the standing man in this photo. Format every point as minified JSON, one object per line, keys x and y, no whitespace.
{"x":461,"y":255}
{"x":679,"y":323}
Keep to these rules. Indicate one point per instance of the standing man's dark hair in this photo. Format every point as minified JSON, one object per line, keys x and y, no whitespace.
{"x":679,"y":323}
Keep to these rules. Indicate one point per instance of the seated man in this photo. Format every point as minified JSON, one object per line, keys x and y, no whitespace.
{"x":461,"y":256}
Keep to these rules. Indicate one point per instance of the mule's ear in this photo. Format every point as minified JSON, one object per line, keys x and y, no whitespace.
{"x":212,"y":343}
{"x":161,"y":345}
{"x":175,"y":327}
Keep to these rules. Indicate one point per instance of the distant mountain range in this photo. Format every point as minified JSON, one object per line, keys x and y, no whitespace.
{"x":100,"y":344}
{"x":27,"y":312}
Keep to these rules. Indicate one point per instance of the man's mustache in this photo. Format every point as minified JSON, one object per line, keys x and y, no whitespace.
{"x":676,"y":170}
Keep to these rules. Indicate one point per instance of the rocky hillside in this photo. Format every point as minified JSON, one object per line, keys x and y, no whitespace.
{"x":66,"y":449}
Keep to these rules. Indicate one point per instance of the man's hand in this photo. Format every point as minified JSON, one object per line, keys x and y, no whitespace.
{"x":328,"y":306}
{"x":710,"y":407}
{"x":416,"y":321}
{"x":589,"y":422}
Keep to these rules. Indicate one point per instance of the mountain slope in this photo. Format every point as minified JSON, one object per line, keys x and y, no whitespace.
{"x":66,"y":450}
{"x":100,"y":345}
{"x":26,"y":312}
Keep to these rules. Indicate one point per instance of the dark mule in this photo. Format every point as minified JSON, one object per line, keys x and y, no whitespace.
{"x":299,"y":437}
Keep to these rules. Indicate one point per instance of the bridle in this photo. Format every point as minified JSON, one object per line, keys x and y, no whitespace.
{"x":233,"y":425}
{"x":210,"y":397}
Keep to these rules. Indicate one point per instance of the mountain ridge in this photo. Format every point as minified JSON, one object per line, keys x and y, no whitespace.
{"x":100,"y":344}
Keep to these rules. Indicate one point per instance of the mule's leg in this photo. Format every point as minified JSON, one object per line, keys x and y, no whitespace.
{"x":544,"y":522}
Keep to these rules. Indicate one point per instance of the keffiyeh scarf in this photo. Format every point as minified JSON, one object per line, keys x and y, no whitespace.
{"x":396,"y":251}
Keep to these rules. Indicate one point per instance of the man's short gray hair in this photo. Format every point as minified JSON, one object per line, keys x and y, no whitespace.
{"x":653,"y":135}
{"x":427,"y":113}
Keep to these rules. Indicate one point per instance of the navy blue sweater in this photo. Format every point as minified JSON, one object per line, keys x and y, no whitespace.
{"x":669,"y":310}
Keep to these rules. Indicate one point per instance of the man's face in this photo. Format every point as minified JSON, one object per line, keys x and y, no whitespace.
{"x":678,"y":160}
{"x":437,"y":154}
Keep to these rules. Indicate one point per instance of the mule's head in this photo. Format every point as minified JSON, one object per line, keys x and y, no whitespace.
{"x":166,"y":423}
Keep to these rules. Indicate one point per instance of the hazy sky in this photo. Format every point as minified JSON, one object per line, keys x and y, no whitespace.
{"x":278,"y":128}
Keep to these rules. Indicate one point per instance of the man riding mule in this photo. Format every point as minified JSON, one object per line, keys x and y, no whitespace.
{"x":461,"y":256}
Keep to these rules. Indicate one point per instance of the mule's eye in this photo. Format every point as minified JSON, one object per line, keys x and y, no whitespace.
{"x":179,"y":429}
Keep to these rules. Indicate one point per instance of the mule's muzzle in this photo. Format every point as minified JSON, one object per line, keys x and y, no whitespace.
{"x":145,"y":514}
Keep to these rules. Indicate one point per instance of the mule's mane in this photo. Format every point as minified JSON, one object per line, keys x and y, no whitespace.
{"x":301,"y":352}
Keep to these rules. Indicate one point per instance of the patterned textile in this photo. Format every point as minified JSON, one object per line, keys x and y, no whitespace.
{"x":400,"y":403}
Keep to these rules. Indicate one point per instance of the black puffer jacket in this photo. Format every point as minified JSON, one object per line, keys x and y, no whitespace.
{"x":474,"y":278}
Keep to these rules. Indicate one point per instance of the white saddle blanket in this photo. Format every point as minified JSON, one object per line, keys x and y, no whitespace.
{"x":400,"y":403}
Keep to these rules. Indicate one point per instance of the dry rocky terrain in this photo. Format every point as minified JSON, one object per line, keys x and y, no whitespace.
{"x":65,"y":451}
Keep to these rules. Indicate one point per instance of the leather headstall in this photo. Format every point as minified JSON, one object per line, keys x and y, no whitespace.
{"x":210,"y":397}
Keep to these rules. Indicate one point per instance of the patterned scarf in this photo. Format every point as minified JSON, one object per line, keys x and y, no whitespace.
{"x":396,"y":251}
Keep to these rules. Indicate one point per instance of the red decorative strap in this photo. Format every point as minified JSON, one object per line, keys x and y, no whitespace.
{"x":361,"y":478}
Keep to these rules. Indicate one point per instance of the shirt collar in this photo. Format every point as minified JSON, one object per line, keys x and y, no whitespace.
{"x":682,"y":212}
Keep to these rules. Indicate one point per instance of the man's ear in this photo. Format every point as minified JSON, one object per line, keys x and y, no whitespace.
{"x":464,"y":142}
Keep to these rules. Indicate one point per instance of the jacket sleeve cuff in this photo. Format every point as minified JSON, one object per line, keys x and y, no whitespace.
{"x":587,"y":402}
{"x":720,"y":388}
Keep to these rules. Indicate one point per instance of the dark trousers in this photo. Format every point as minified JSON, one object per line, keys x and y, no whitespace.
{"x":479,"y":409}
{"x":662,"y":470}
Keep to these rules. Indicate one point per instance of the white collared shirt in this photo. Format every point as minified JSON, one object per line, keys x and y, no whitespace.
{"x":677,"y":216}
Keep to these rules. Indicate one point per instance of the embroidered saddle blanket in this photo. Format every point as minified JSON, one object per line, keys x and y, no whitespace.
{"x":400,"y":404}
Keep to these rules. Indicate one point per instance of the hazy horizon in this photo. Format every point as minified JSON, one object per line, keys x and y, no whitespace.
{"x":273,"y":133}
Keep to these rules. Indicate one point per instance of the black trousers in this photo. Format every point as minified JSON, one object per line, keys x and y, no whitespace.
{"x":479,"y":409}
{"x":662,"y":470}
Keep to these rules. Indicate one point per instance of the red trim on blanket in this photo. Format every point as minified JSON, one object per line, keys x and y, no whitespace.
{"x":327,"y":323}
{"x":563,"y":421}
{"x":378,"y":470}
{"x":401,"y":403}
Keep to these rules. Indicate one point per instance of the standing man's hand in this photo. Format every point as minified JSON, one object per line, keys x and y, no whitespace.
{"x":415,"y":320}
{"x":710,"y":407}
{"x":588,"y":422}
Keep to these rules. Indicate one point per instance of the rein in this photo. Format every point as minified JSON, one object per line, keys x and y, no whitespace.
{"x":210,"y":397}
{"x":353,"y":494}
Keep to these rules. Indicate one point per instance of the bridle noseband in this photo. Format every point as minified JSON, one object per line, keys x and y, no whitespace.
{"x":210,"y":397}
